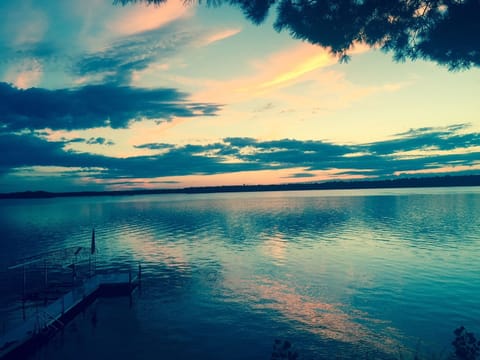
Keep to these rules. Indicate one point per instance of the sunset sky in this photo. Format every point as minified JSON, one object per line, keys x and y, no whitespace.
{"x":98,"y":96}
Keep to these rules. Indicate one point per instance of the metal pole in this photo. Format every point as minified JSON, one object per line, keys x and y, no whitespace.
{"x":24,"y":283}
{"x":139,"y":274}
{"x":46,"y":272}
{"x":24,"y":315}
{"x":74,"y":271}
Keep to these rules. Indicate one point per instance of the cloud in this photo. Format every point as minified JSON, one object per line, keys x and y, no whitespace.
{"x":33,"y":58}
{"x":92,"y":106}
{"x":25,"y":74}
{"x":313,"y":160}
{"x":29,"y":150}
{"x":292,"y":65}
{"x":445,"y":33}
{"x":117,"y":62}
{"x":93,"y":41}
{"x":25,"y":25}
{"x":279,"y":70}
{"x":91,"y":141}
{"x":155,"y":146}
{"x":429,"y":139}
{"x":99,"y":141}
{"x":143,"y":18}
{"x":301,"y":175}
{"x":220,"y":35}
{"x":247,"y":154}
{"x":299,"y":60}
{"x":301,"y":77}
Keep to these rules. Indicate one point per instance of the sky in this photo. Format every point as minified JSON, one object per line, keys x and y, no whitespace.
{"x":96,"y":96}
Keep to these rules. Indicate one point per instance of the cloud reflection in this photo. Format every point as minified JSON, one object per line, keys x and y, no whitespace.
{"x":275,"y":247}
{"x":313,"y":315}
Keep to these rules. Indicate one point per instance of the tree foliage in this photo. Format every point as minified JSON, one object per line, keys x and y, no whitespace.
{"x":443,"y":31}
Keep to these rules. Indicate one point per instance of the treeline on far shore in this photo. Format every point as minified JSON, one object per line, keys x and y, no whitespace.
{"x":438,"y":181}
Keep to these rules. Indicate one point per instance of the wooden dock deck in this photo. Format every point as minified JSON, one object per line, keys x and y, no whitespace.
{"x":52,"y":317}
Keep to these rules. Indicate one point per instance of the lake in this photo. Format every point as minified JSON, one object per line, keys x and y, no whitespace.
{"x":339,"y":273}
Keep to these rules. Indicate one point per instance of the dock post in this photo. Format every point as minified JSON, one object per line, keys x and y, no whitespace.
{"x":24,"y":283}
{"x":63,"y":306}
{"x":24,"y":295}
{"x":45,"y":269}
{"x":139,"y":274}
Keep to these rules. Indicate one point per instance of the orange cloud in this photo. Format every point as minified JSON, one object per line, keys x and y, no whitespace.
{"x":143,"y":17}
{"x":289,"y":66}
{"x":26,"y":75}
{"x":280,"y":70}
{"x":27,"y":79}
{"x":221,"y":35}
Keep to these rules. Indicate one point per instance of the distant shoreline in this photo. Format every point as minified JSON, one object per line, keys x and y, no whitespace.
{"x":438,"y":181}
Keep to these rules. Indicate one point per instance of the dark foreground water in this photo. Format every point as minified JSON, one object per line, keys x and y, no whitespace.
{"x":340,"y":274}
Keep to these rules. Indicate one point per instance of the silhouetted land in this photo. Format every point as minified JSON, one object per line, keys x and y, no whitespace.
{"x":439,"y":181}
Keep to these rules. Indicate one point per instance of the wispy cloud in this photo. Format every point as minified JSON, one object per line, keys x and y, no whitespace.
{"x":119,"y":60}
{"x":220,"y":35}
{"x":141,"y":18}
{"x":279,"y":70}
{"x":301,"y":78}
{"x":155,"y":146}
{"x":287,"y":67}
{"x":25,"y":74}
{"x":301,"y":175}
{"x":100,"y":141}
{"x":91,"y":141}
{"x":25,"y":24}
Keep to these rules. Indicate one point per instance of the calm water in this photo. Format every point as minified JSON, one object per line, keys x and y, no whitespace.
{"x":337,"y":273}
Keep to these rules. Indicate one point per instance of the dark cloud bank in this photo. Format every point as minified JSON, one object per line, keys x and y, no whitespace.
{"x":376,"y":160}
{"x":92,"y":106}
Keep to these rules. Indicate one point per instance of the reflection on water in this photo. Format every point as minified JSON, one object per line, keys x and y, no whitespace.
{"x":311,"y":315}
{"x":335,"y":272}
{"x":275,"y":247}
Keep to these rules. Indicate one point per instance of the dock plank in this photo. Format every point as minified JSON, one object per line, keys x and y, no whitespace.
{"x":53,"y":315}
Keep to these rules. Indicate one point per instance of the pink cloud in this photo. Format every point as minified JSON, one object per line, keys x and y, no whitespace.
{"x":25,"y":75}
{"x":221,"y":35}
{"x":142,"y":18}
{"x":279,"y":70}
{"x":268,"y":72}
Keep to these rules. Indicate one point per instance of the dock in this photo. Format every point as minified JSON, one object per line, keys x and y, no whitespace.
{"x":51,"y":318}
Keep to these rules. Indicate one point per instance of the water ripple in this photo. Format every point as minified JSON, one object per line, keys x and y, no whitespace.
{"x":335,"y":271}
